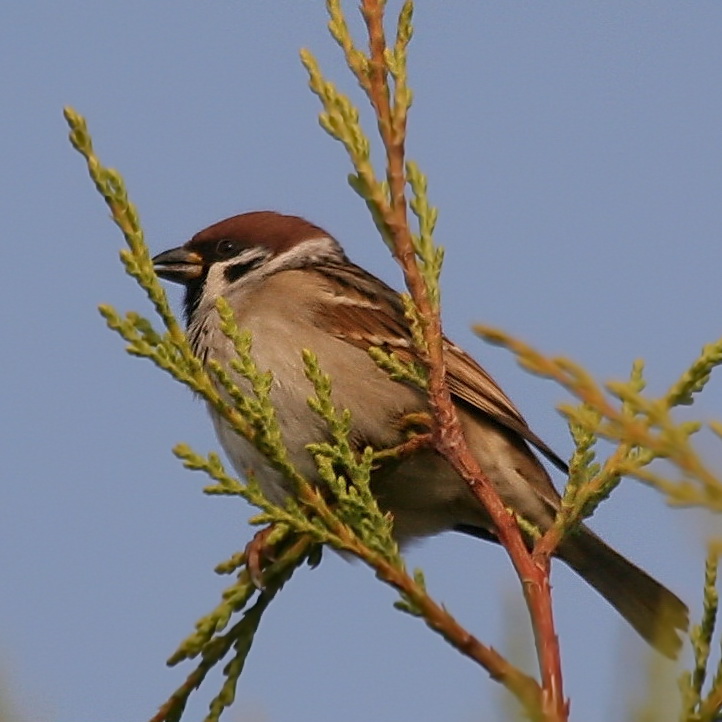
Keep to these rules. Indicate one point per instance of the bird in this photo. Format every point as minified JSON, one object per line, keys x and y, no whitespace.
{"x":290,"y":283}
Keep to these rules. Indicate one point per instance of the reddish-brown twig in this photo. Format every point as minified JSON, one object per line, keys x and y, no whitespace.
{"x":449,"y":438}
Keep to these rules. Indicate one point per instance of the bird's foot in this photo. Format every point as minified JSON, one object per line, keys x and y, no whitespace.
{"x":260,"y":552}
{"x":418,"y":428}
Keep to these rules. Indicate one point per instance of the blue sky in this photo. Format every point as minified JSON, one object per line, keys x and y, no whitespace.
{"x":575,"y":153}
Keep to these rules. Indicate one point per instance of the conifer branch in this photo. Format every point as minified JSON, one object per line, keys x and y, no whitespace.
{"x":421,"y":261}
{"x":342,"y":512}
{"x":643,"y":428}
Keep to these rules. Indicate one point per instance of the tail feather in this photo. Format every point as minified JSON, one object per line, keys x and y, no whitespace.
{"x":656,"y":613}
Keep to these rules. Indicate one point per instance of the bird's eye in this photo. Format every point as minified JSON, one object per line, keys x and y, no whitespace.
{"x":226,"y":248}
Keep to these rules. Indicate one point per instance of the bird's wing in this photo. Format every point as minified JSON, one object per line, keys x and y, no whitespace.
{"x":469,"y":382}
{"x":377,"y":319}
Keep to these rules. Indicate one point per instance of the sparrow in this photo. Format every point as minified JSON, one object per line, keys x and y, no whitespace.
{"x":291,"y":285}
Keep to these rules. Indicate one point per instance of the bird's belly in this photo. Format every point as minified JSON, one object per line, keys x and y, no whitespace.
{"x":248,"y":460}
{"x":422,"y":492}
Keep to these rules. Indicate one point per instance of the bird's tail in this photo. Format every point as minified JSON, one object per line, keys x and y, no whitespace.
{"x":656,"y":613}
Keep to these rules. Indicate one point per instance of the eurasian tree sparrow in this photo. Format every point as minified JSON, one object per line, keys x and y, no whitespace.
{"x":290,"y":283}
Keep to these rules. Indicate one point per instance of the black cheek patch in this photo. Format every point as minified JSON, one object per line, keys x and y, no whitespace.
{"x":237,"y":270}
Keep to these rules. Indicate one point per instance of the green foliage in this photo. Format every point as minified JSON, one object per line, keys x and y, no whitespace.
{"x":397,"y":369}
{"x":341,"y":511}
{"x":430,"y":257}
{"x":349,"y":521}
{"x":643,"y":429}
{"x":340,"y":119}
{"x":698,"y":706}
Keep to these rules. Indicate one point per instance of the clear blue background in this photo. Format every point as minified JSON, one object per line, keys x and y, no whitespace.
{"x":575,"y":153}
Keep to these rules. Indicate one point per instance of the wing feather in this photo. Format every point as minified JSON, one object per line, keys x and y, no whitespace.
{"x":377,"y":319}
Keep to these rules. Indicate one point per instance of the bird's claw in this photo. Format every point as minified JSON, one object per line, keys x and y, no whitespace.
{"x":259,"y":553}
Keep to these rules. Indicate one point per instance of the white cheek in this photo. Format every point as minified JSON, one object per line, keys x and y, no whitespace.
{"x":215,"y":284}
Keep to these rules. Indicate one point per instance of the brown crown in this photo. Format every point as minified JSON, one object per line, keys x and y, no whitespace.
{"x":269,"y":229}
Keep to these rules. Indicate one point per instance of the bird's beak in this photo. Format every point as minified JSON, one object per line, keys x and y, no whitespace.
{"x":179,"y":265}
